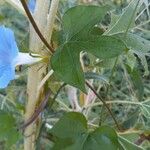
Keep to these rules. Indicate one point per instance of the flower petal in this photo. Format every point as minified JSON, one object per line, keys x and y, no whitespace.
{"x":25,"y":58}
{"x":6,"y":75}
{"x":31,"y":5}
{"x":8,"y":46}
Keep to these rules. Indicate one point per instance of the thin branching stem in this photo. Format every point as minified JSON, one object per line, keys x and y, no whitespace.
{"x":104,"y":103}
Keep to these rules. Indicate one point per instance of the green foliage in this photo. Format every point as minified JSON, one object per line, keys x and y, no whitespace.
{"x":138,"y":46}
{"x":77,"y":23}
{"x":71,"y":133}
{"x":83,"y":29}
{"x":145,"y":108}
{"x":126,"y":145}
{"x":91,"y":75}
{"x":137,"y":82}
{"x":73,"y":124}
{"x":8,"y":130}
{"x":124,"y":21}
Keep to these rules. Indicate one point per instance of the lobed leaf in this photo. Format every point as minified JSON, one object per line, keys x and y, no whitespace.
{"x":72,"y":134}
{"x":139,"y":46}
{"x":121,"y":23}
{"x":66,"y":64}
{"x":78,"y":21}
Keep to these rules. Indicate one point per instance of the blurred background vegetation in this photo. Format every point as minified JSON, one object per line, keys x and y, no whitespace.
{"x":126,"y":90}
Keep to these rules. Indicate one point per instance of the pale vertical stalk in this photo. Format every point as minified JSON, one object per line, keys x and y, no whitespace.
{"x":34,"y":77}
{"x":51,"y":18}
{"x":36,"y":72}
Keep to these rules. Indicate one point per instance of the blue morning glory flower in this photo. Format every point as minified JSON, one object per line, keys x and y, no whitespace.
{"x":31,"y":5}
{"x":10,"y":56}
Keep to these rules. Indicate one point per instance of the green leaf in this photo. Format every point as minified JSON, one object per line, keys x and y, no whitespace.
{"x":142,"y":57}
{"x":139,"y":46}
{"x":131,"y":119}
{"x":8,"y":131}
{"x":92,"y":75}
{"x":66,"y":64}
{"x":72,"y":134}
{"x":72,"y":144}
{"x":79,"y":20}
{"x":69,"y":126}
{"x":6,"y":119}
{"x":103,"y":138}
{"x":145,"y":108}
{"x":103,"y":47}
{"x":137,"y":82}
{"x":131,"y":59}
{"x":97,"y":31}
{"x":136,"y":42}
{"x":77,"y":29}
{"x":77,"y":24}
{"x":114,"y":19}
{"x":127,"y":145}
{"x":123,"y":22}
